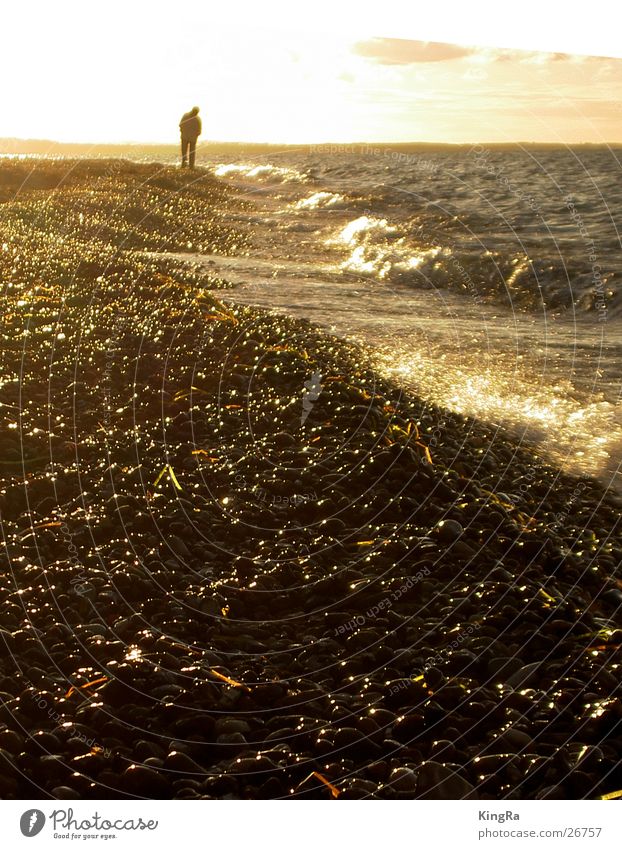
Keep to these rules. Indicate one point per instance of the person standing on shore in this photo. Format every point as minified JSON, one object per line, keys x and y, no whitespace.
{"x":190,"y":128}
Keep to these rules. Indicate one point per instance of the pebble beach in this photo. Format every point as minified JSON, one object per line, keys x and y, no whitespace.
{"x":237,"y":562}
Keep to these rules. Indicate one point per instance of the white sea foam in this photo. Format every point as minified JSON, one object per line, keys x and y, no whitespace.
{"x":262,"y":172}
{"x":319,"y":200}
{"x":377,"y":249}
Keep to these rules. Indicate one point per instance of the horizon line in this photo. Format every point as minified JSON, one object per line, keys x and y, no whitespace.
{"x":12,"y":140}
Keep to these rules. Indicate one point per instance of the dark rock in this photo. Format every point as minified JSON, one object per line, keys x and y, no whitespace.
{"x":409,"y":728}
{"x":46,"y":742}
{"x":525,"y":675}
{"x":502,"y":668}
{"x":354,"y":742}
{"x":403,"y":779}
{"x":147,"y":749}
{"x":11,"y":741}
{"x":552,"y":792}
{"x":448,"y":530}
{"x":402,"y":692}
{"x":260,"y":764}
{"x":438,"y":781}
{"x":443,"y":750}
{"x":64,"y":792}
{"x":231,"y":725}
{"x":180,"y":762}
{"x":144,"y":782}
{"x":357,"y":788}
{"x":613,"y":598}
{"x":283,"y":439}
{"x":434,"y":678}
{"x":511,"y":740}
{"x":232,"y":740}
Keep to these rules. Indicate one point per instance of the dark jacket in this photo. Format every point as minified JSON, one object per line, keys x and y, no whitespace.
{"x":190,"y":126}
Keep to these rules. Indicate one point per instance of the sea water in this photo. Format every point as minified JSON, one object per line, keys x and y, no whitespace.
{"x":485,"y":279}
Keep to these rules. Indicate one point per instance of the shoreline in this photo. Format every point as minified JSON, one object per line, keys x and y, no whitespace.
{"x":146,"y":598}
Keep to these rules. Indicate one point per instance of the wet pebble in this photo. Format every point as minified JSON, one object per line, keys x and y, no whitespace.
{"x":142,"y":781}
{"x":439,"y":781}
{"x":448,"y":530}
{"x":403,"y":779}
{"x":62,"y":791}
{"x":231,"y":725}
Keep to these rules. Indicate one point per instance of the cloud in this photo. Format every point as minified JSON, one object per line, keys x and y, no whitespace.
{"x":400,"y":51}
{"x":529,"y":57}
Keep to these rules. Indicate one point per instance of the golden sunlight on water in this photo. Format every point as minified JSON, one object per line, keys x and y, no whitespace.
{"x":375,"y":249}
{"x":582,"y":437}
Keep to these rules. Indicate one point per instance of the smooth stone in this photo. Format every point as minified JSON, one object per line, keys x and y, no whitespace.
{"x":47,"y":741}
{"x":252,"y":765}
{"x":403,"y":779}
{"x":438,"y":781}
{"x":552,"y":792}
{"x":234,"y":739}
{"x":500,"y":668}
{"x":448,"y":530}
{"x":11,"y":741}
{"x":283,"y":439}
{"x":408,"y":728}
{"x":404,"y":691}
{"x":145,"y":782}
{"x":180,"y":762}
{"x":378,"y":771}
{"x":231,"y":725}
{"x":524,"y":675}
{"x":268,"y":693}
{"x":501,"y":574}
{"x":354,"y":742}
{"x":220,"y":785}
{"x":384,"y":718}
{"x":613,"y":597}
{"x":434,"y":678}
{"x":147,"y":749}
{"x":487,"y":764}
{"x":64,"y":792}
{"x":54,"y":767}
{"x":444,"y":749}
{"x":180,"y":547}
{"x":358,"y":788}
{"x":590,"y":757}
{"x":512,"y":740}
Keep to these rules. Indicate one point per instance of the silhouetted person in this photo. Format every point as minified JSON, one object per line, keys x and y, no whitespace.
{"x":190,"y":127}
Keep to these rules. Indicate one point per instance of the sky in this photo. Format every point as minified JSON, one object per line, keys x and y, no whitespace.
{"x":120,"y":77}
